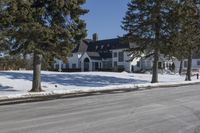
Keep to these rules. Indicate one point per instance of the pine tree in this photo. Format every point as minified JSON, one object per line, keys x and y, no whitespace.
{"x":146,"y":24}
{"x":3,"y":41}
{"x":42,"y":27}
{"x":186,"y":37}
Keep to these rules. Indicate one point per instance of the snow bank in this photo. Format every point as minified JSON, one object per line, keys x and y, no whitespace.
{"x":14,"y":84}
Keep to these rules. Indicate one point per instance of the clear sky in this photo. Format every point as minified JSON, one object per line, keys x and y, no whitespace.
{"x":105,"y":17}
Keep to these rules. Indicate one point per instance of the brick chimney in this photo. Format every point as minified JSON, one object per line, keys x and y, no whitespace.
{"x":95,"y":37}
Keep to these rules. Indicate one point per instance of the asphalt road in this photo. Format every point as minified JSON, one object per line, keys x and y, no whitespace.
{"x":161,"y":110}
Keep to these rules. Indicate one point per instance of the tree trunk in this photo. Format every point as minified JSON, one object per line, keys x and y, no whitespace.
{"x":36,"y":84}
{"x":189,"y":67}
{"x":181,"y":67}
{"x":157,"y":43}
{"x":155,"y":67}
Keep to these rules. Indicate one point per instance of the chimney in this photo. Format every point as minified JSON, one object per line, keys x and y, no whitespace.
{"x":95,"y":37}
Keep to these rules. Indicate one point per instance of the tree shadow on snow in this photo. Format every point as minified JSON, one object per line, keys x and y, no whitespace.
{"x":75,"y":79}
{"x":6,"y":88}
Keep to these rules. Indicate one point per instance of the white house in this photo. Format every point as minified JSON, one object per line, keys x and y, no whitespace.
{"x":164,"y":63}
{"x":108,"y":55}
{"x":195,"y":64}
{"x":121,"y":60}
{"x":94,"y":55}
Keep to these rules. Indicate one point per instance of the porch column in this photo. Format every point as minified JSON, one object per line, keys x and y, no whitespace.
{"x":90,"y":66}
{"x":60,"y":66}
{"x":82,"y":66}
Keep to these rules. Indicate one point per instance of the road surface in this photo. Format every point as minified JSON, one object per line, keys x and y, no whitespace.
{"x":160,"y":110}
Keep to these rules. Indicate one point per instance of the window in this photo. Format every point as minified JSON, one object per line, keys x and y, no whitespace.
{"x":73,"y":66}
{"x":115,"y":64}
{"x":159,"y":65}
{"x":67,"y":65}
{"x":107,"y":64}
{"x":138,"y":64}
{"x":93,"y":66}
{"x":63,"y":66}
{"x":120,"y":67}
{"x":132,"y":68}
{"x":198,"y":63}
{"x":57,"y":66}
{"x":121,"y":57}
{"x":185,"y":63}
{"x":115,"y":54}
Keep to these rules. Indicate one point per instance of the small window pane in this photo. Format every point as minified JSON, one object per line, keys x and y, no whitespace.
{"x":198,"y":62}
{"x":115,"y":64}
{"x":121,"y":57}
{"x":115,"y":54}
{"x":185,"y":63}
{"x":73,"y":66}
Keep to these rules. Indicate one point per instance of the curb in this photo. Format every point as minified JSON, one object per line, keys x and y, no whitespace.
{"x":36,"y":97}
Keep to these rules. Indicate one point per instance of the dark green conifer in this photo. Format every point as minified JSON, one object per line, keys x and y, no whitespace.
{"x":146,"y":24}
{"x":42,"y":27}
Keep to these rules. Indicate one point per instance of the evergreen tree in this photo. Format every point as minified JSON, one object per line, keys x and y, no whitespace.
{"x":186,"y":37}
{"x":146,"y":24}
{"x":3,"y":42}
{"x":42,"y":27}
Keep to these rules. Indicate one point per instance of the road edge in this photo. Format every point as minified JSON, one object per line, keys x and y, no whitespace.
{"x":36,"y":97}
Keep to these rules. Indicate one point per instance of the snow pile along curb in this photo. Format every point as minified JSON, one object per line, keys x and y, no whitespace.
{"x":75,"y":92}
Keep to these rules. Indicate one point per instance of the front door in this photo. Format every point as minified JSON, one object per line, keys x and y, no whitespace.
{"x":86,"y":64}
{"x":96,"y":65}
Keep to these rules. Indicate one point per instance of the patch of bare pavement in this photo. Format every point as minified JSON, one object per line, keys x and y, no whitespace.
{"x":160,"y":110}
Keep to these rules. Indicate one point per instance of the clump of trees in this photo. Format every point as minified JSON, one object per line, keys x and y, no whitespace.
{"x":186,"y":36}
{"x":44,"y":28}
{"x":168,"y":27}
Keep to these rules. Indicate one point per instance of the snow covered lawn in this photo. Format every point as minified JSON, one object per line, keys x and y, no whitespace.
{"x":18,"y":83}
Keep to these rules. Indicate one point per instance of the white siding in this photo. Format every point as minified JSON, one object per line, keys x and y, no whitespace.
{"x":195,"y":64}
{"x":126,"y":63}
{"x":83,"y":57}
{"x":74,"y":60}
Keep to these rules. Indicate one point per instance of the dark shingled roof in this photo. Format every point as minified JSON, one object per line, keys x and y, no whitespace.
{"x":106,"y":45}
{"x":102,"y":47}
{"x":81,"y":47}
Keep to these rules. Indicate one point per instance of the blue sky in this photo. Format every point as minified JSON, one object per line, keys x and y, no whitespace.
{"x":105,"y":17}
